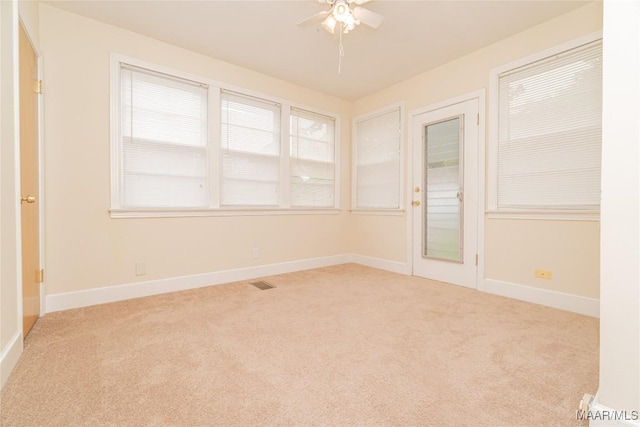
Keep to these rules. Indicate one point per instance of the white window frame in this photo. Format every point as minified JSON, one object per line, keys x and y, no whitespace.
{"x":215,"y":166}
{"x":492,"y":146}
{"x":401,"y":169}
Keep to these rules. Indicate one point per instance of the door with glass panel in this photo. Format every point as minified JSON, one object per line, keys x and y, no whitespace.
{"x":445,"y":193}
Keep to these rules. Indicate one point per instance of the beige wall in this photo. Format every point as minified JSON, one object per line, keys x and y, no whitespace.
{"x":85,"y":248}
{"x":569,"y":249}
{"x":575,"y":245}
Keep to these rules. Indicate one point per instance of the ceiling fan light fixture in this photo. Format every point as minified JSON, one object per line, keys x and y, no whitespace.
{"x":350,"y":26}
{"x":341,"y":15}
{"x":329,"y":24}
{"x":341,"y":11}
{"x":349,"y":23}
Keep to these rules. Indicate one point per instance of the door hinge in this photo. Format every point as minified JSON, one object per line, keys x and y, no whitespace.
{"x":476,"y":259}
{"x":38,"y":86}
{"x":40,"y":276}
{"x":478,"y":118}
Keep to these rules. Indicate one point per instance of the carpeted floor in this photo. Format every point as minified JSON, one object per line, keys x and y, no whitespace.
{"x":338,"y":346}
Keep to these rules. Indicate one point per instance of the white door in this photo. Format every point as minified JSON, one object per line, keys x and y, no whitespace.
{"x":445,"y":193}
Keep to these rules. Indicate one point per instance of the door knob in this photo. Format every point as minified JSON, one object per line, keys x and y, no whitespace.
{"x":415,"y":203}
{"x":28,"y":199}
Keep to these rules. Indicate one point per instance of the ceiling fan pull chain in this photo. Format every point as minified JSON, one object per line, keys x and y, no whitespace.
{"x":340,"y":49}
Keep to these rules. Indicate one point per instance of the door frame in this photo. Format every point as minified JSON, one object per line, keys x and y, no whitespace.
{"x":41,"y":181}
{"x":480,"y":96}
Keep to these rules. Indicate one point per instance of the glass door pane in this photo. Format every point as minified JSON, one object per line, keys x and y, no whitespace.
{"x":443,"y":190}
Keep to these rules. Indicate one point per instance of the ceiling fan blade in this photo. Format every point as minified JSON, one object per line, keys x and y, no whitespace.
{"x":313,"y":19}
{"x":367,"y":17}
{"x":359,"y":1}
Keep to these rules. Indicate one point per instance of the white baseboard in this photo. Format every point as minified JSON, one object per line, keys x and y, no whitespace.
{"x":563,"y":301}
{"x":602,"y":416}
{"x":9,"y":357}
{"x":382,"y":264}
{"x":85,"y":298}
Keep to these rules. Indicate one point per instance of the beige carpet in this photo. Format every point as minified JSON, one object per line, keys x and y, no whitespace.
{"x":339,"y":346}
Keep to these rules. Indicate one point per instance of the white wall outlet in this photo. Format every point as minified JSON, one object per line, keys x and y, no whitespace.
{"x":543,"y":274}
{"x":141,"y":269}
{"x":255,"y":253}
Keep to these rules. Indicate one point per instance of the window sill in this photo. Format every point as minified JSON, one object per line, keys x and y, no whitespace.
{"x":177,"y":213}
{"x":384,"y":212}
{"x":552,"y":215}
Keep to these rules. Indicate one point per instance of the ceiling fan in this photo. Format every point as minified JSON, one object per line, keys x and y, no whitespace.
{"x":343,"y":15}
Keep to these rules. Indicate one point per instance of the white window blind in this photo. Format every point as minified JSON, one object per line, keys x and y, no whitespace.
{"x":312,"y":151}
{"x":549,"y":132}
{"x":250,"y":143}
{"x":377,"y":161}
{"x":163,"y":131}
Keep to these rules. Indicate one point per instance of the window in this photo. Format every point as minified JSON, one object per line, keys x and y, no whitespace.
{"x":186,"y":145}
{"x":164,"y":141}
{"x":250,"y":140}
{"x":312,"y":159}
{"x":546,"y":143}
{"x":377,"y":160}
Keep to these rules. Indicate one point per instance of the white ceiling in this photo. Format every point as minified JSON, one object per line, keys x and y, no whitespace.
{"x":264,"y":36}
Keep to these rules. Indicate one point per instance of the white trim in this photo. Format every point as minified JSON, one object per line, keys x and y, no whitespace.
{"x":383,"y":212}
{"x":597,"y":408}
{"x":492,"y":147}
{"x":215,"y":153}
{"x":107,"y":294}
{"x":9,"y":357}
{"x":18,"y":165}
{"x":448,"y":102}
{"x":409,"y":192}
{"x":337,"y":154}
{"x":285,"y":157}
{"x":10,"y":153}
{"x":354,"y":158}
{"x":382,"y":264}
{"x":482,"y":144}
{"x":554,"y":215}
{"x":41,"y":185}
{"x":114,"y":140}
{"x":85,"y":298}
{"x":175,"y":213}
{"x":563,"y":301}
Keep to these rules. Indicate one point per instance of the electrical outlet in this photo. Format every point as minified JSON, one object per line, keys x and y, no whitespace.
{"x":256,"y":253}
{"x":543,"y":274}
{"x":141,"y":269}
